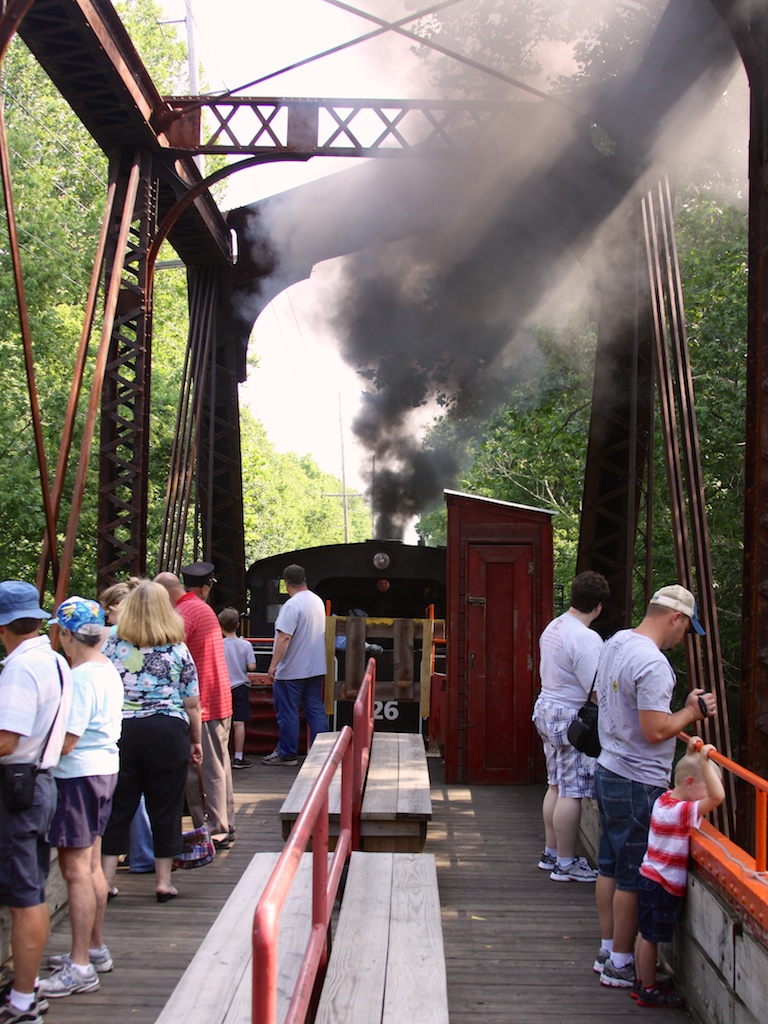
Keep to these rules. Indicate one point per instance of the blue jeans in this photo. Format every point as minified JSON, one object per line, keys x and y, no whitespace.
{"x":625,"y":817}
{"x":287,"y":696}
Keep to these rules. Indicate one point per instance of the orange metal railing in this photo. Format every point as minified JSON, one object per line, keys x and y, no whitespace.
{"x":761,"y":795}
{"x":312,"y":823}
{"x":352,"y":751}
{"x":362,"y":727}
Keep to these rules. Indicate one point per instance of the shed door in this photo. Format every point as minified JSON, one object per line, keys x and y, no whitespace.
{"x":499,"y":651}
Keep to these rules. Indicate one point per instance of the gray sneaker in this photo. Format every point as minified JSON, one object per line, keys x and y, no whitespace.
{"x":101,"y":960}
{"x":603,"y":956}
{"x":618,"y":977}
{"x":547,"y":861}
{"x":579,"y":871}
{"x":68,"y":981}
{"x":10,"y":1015}
{"x":277,"y":758}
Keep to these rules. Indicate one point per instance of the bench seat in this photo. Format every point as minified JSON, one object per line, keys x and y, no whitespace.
{"x":387,"y":964}
{"x":216,"y":986}
{"x":397,"y":804}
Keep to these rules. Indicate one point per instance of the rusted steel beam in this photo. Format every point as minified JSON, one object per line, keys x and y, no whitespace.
{"x":618,"y":453}
{"x":12,"y":14}
{"x":88,"y":54}
{"x":124,"y":447}
{"x":99,"y":371}
{"x":748,"y":24}
{"x":70,"y":416}
{"x":684,"y":472}
{"x":331,"y":127}
{"x":26,"y":339}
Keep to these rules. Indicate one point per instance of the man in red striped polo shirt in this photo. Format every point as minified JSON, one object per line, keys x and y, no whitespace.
{"x":202,"y":635}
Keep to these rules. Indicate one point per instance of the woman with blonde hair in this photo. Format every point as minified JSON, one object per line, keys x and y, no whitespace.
{"x":112,"y":598}
{"x":140,"y":852}
{"x":161,"y":726}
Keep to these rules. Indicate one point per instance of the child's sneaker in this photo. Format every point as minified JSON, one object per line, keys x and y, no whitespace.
{"x":547,"y":861}
{"x":668,"y":1000}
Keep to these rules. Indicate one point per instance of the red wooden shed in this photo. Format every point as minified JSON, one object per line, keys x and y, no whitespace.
{"x":500,"y":597}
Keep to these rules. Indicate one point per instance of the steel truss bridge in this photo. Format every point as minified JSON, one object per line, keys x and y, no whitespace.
{"x":155,"y":191}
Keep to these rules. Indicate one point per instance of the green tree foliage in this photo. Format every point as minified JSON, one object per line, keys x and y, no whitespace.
{"x":288,"y":502}
{"x":526,"y":40}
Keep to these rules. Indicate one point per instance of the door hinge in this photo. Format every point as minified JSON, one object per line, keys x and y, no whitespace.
{"x":531,"y":568}
{"x":530,"y":663}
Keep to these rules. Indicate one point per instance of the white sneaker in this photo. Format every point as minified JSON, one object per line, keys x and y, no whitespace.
{"x":69,"y":980}
{"x":578,"y":871}
{"x":101,"y":960}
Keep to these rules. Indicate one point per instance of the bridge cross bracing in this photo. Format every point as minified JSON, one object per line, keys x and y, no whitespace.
{"x":84,"y":48}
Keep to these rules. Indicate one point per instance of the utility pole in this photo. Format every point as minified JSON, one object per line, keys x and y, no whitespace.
{"x":344,"y":478}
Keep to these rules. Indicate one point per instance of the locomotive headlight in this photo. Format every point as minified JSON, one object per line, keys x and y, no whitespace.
{"x":381,"y":560}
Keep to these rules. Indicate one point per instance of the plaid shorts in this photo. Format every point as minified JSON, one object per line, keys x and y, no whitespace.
{"x":567,"y":768}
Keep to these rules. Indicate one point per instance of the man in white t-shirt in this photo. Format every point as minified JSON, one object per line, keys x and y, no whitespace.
{"x":86,"y":777}
{"x":298,"y":666}
{"x":569,"y":654}
{"x":637,"y":735}
{"x":35,"y":695}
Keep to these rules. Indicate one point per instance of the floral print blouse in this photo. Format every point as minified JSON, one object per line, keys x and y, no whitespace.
{"x":155,"y":679}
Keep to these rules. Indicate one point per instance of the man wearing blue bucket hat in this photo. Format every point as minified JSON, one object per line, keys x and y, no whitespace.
{"x":637,"y":728}
{"x":35,"y":697}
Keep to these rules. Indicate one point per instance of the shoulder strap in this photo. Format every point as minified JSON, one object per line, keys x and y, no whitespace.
{"x":58,"y":709}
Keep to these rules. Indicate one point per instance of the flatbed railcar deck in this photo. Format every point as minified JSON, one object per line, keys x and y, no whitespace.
{"x":518,"y":947}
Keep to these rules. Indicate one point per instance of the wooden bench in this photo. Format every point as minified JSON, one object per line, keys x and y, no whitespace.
{"x":216,"y":986}
{"x":387,"y":963}
{"x":397,"y":804}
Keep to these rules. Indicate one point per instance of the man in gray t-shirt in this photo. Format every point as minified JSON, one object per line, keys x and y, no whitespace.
{"x":298,"y":666}
{"x":637,"y":734}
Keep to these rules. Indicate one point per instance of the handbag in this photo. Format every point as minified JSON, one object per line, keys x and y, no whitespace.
{"x":18,"y":780}
{"x":197,"y":843}
{"x":582,"y":732}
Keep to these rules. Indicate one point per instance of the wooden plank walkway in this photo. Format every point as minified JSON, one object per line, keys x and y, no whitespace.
{"x":518,"y":946}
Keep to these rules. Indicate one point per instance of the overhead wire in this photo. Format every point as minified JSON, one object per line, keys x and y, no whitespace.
{"x":373,"y":33}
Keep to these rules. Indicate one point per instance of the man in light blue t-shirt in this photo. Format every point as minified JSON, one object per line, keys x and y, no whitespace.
{"x":297,"y":669}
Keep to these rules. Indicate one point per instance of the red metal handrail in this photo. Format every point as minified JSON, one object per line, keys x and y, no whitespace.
{"x":761,"y":795}
{"x":312,"y":823}
{"x":362,"y":726}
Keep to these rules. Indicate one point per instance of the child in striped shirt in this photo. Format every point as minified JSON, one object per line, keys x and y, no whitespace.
{"x":698,"y":789}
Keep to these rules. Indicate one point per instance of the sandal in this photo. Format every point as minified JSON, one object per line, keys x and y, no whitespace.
{"x":163,"y":897}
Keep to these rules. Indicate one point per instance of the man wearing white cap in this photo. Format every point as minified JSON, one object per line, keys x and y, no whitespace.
{"x":637,"y":733}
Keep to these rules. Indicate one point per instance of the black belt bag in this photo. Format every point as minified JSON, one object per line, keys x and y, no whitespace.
{"x":18,"y":784}
{"x":17,"y":781}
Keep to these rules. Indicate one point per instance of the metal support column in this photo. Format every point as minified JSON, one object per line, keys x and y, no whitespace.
{"x":620,"y":427}
{"x":124,"y":448}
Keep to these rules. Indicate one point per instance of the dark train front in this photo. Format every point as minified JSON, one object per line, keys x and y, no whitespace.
{"x":385,"y":579}
{"x":400,"y":591}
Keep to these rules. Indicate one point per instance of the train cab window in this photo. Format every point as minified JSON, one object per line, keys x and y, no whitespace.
{"x":276,"y":595}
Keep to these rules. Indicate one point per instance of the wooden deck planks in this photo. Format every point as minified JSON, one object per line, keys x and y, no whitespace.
{"x":519,"y":948}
